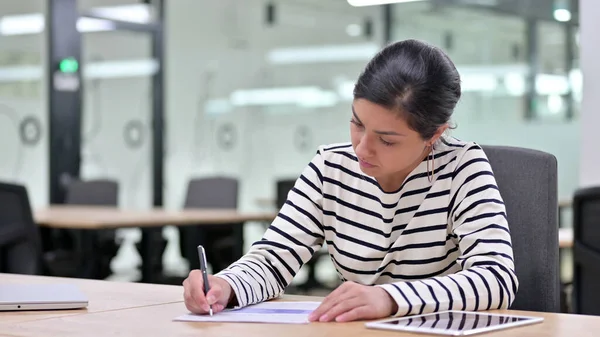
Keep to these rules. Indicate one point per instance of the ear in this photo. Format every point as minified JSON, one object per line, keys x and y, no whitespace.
{"x":440,"y":131}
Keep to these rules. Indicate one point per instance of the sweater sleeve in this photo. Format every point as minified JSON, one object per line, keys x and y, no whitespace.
{"x":290,"y":241}
{"x":477,"y":216}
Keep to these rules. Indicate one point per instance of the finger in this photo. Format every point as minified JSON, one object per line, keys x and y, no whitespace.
{"x":331,"y":300}
{"x":361,"y":312}
{"x":197,"y":290}
{"x":341,"y":307}
{"x":214,"y":294}
{"x":190,"y":303}
{"x":327,"y":303}
{"x":218,"y":308}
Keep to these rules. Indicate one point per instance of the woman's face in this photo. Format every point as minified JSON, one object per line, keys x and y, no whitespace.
{"x":385,"y":145}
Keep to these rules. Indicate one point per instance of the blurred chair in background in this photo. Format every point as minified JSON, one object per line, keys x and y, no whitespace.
{"x":100,"y":192}
{"x":20,"y":244}
{"x":586,"y":251}
{"x":105,"y":245}
{"x":283,"y":186}
{"x":223,"y":242}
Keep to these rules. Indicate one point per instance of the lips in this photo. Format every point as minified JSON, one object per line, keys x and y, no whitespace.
{"x":365,"y":164}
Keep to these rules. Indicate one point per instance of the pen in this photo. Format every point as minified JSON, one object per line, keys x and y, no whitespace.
{"x":202,"y":257}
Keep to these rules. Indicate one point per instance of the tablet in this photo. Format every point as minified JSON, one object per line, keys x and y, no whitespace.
{"x":454,"y":323}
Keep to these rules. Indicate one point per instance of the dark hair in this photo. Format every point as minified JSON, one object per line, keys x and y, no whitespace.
{"x":415,"y":78}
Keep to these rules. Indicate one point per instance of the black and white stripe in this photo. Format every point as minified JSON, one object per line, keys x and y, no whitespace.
{"x":432,"y":245}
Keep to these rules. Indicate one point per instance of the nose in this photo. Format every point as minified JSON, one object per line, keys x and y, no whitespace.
{"x":364,"y":149}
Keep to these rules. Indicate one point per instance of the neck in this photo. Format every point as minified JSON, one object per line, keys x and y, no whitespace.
{"x":391,"y":184}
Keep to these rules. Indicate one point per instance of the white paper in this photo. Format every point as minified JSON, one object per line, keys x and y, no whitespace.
{"x":266,"y":312}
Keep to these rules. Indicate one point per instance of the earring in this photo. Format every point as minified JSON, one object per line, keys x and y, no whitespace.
{"x":432,"y":156}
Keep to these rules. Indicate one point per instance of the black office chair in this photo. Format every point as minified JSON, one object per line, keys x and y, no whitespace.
{"x":586,"y":251}
{"x":20,"y":244}
{"x":60,"y":260}
{"x":99,"y":192}
{"x":223,"y":242}
{"x":283,"y":186}
{"x":527,"y":180}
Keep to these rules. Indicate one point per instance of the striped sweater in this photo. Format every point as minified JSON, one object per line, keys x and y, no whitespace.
{"x":432,"y":246}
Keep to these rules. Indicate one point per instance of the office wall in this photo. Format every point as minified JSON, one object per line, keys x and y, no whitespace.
{"x":590,"y":117}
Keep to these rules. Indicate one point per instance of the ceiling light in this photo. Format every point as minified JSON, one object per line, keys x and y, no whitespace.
{"x":87,"y":25}
{"x":515,"y":84}
{"x":489,"y":3}
{"x":479,"y":83}
{"x":360,"y":3}
{"x":555,"y":104}
{"x":138,"y":13}
{"x":35,"y":23}
{"x":22,"y":24}
{"x":319,"y":54}
{"x":562,"y":15}
{"x":92,"y":70}
{"x":21,"y":74}
{"x":274,"y":96}
{"x":121,"y":69}
{"x":548,"y":84}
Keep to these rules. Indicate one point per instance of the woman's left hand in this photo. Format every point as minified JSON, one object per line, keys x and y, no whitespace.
{"x":352,"y":301}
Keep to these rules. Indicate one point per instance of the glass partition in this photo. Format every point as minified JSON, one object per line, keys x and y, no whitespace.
{"x":492,"y":53}
{"x":117,"y":68}
{"x":23,"y":122}
{"x":254,"y":88}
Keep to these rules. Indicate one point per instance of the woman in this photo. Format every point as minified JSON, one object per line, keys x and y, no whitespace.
{"x":413,"y":219}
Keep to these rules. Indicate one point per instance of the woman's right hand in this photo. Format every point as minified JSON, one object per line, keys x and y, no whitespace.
{"x":193,"y":293}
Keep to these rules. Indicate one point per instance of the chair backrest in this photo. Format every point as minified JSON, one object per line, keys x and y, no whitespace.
{"x":283,"y":188}
{"x":213,"y":192}
{"x":210,"y":192}
{"x":20,"y":245}
{"x":586,"y":251}
{"x":101,"y":192}
{"x":527,"y":180}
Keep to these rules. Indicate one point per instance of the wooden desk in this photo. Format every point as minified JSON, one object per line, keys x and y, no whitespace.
{"x":157,"y":321}
{"x":130,"y":317}
{"x":103,"y":296}
{"x":90,"y":217}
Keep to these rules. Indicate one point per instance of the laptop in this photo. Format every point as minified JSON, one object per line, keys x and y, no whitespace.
{"x":15,"y":297}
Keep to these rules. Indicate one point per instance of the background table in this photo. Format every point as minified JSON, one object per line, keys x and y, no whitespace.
{"x":101,"y":217}
{"x":151,"y":221}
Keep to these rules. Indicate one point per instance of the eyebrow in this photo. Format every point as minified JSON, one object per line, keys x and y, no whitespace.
{"x":386,"y":133}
